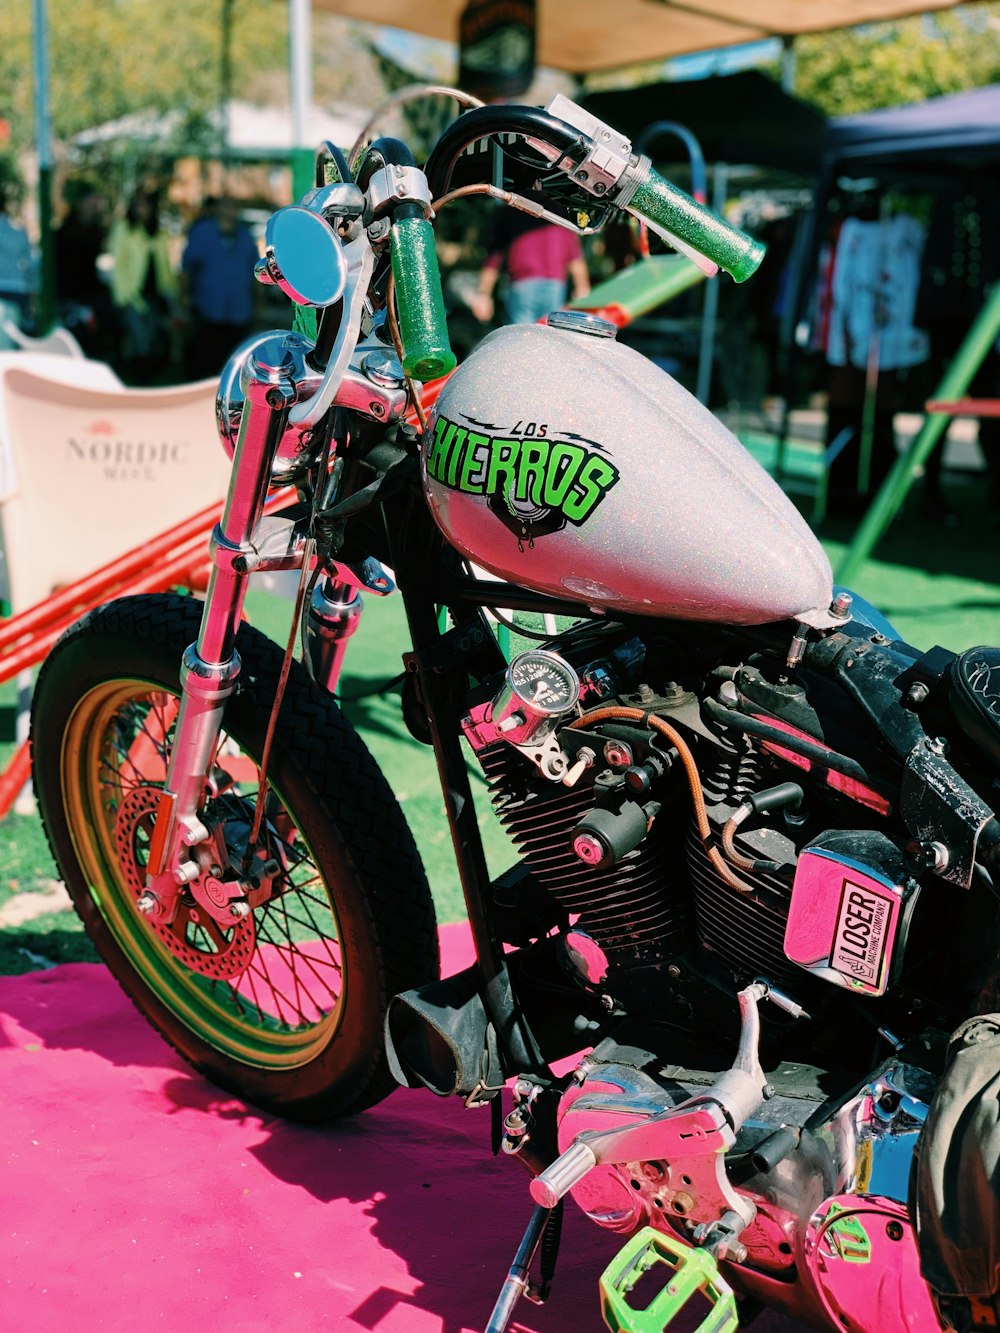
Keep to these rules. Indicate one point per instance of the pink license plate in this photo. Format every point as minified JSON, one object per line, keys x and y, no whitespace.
{"x":842,"y":922}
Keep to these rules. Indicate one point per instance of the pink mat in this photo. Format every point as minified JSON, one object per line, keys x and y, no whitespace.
{"x":136,"y":1195}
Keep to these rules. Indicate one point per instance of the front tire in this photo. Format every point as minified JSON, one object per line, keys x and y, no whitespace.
{"x":286,"y":1009}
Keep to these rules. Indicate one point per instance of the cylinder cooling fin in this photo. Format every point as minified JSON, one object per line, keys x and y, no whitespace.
{"x":746,"y":931}
{"x":632,"y":907}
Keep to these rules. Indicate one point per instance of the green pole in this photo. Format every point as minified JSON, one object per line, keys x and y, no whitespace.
{"x":954,"y":383}
{"x":303,"y":179}
{"x":303,"y":171}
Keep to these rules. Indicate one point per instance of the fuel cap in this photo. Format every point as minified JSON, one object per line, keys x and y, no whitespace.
{"x":581,"y":321}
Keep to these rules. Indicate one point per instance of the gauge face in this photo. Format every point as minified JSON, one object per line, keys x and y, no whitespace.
{"x":543,"y":682}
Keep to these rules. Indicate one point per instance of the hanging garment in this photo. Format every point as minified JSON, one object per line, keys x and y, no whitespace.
{"x":876,"y":276}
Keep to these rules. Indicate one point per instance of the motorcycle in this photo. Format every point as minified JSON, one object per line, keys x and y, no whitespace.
{"x":758,"y":853}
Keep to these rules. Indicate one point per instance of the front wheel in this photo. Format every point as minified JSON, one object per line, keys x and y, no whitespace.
{"x":285,"y":1007}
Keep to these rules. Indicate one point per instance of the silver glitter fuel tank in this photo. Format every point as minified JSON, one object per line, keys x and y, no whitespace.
{"x":570,"y":464}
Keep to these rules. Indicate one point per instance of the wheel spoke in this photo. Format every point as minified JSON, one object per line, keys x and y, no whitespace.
{"x":261,"y":967}
{"x":280,"y":971}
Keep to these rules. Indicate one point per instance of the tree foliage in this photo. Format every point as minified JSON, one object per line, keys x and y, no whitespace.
{"x":108,"y":58}
{"x":890,"y":64}
{"x":111,"y":57}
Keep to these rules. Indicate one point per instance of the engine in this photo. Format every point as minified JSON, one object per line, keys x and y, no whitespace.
{"x":647,"y":905}
{"x":610,"y":841}
{"x":656,"y":902}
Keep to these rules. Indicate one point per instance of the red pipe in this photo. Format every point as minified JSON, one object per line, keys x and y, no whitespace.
{"x":965,"y":407}
{"x":114,"y":572}
{"x":63,"y":610}
{"x":37,"y":647}
{"x":428,"y":397}
{"x":14,"y":776}
{"x":141,"y":570}
{"x":70,"y":602}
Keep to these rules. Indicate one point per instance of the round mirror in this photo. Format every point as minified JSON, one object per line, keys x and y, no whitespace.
{"x":304,"y":257}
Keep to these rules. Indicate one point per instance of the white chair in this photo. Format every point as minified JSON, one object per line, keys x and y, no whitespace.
{"x":94,"y":469}
{"x":89,"y":471}
{"x":59,"y":369}
{"x":58,"y":342}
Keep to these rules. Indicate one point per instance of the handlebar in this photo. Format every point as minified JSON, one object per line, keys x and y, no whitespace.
{"x":577,"y":146}
{"x":668,"y":209}
{"x":423,"y":326}
{"x":396,"y":190}
{"x":576,"y":157}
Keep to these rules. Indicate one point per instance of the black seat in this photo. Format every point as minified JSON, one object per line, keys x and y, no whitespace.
{"x":975,"y":698}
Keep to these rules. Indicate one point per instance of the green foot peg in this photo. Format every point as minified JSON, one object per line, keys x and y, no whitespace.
{"x":686,"y":1273}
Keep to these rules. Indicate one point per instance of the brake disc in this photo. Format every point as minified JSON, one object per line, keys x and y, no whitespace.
{"x":194,"y":937}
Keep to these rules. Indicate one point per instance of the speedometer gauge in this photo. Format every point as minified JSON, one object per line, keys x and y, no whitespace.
{"x":543,"y":682}
{"x":539,"y":688}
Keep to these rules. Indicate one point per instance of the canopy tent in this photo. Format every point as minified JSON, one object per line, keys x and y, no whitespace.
{"x":943,"y":137}
{"x":961,"y":130}
{"x":742,"y":118}
{"x":253,"y":133}
{"x":591,"y":35}
{"x":930,"y":141}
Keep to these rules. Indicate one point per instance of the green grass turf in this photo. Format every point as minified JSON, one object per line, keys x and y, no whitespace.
{"x":937,"y":584}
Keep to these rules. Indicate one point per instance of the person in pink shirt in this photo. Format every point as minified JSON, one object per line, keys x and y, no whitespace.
{"x":541,"y":261}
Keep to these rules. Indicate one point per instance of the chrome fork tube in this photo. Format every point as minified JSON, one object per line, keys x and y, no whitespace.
{"x":334,"y":613}
{"x":210,"y":667}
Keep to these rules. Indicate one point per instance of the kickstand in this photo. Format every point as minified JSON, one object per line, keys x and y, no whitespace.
{"x":518,"y":1283}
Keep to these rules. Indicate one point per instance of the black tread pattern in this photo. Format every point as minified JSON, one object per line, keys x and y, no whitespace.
{"x":350,"y":792}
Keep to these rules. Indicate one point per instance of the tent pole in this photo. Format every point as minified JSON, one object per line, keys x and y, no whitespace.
{"x":788,"y":64}
{"x":872,"y":364}
{"x":710,"y":310}
{"x":43,"y":138}
{"x":954,"y":383}
{"x":804,"y":279}
{"x":303,"y":157}
{"x":225,"y":80}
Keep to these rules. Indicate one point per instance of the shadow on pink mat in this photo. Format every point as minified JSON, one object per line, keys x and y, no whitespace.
{"x":136,"y":1195}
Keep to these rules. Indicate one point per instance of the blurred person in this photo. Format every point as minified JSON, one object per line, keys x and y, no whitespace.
{"x":541,"y":260}
{"x":143,"y":287}
{"x":219,"y":287}
{"x":620,"y":244}
{"x":16,"y":263}
{"x":82,"y":295}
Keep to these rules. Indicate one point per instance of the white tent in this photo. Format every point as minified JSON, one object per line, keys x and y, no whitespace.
{"x":257,"y":133}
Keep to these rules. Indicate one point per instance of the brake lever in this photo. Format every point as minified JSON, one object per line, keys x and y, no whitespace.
{"x":696,"y":257}
{"x":609,"y":171}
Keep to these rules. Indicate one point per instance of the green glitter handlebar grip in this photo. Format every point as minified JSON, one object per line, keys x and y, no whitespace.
{"x":664,"y":206}
{"x":422,"y":324}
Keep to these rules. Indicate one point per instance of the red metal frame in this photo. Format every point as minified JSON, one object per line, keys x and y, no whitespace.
{"x":965,"y":407}
{"x":14,"y":776}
